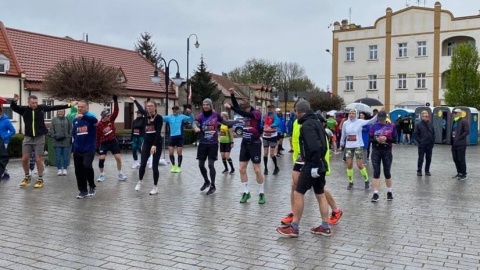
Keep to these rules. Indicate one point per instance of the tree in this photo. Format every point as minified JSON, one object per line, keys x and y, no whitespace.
{"x":255,"y":71}
{"x":147,"y":48}
{"x":202,"y":86}
{"x":83,"y":78}
{"x":326,"y":102}
{"x":463,"y":79}
{"x":282,"y":75}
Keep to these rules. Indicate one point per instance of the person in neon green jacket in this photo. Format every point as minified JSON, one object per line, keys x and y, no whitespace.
{"x":298,"y":164}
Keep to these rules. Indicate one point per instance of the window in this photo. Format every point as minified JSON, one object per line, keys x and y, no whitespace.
{"x":402,"y":50}
{"x":349,"y":83}
{"x":450,"y":47}
{"x":48,"y":102}
{"x":8,"y":111}
{"x":4,"y":64}
{"x":373,"y":52}
{"x":422,"y":48}
{"x":372,"y":82}
{"x":402,"y":81}
{"x":350,"y":54}
{"x":107,"y":107}
{"x":421,"y":81}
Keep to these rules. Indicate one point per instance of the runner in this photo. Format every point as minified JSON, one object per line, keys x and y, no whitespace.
{"x":152,"y":145}
{"x":206,"y":123}
{"x":226,"y":144}
{"x":353,"y":142}
{"x":107,"y":141}
{"x":251,"y":147}
{"x":269,"y":125}
{"x":137,"y":137}
{"x":175,"y":122}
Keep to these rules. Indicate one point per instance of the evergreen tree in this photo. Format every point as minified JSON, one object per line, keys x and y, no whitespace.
{"x":147,"y":48}
{"x":463,"y":79}
{"x":202,"y":86}
{"x":326,"y":102}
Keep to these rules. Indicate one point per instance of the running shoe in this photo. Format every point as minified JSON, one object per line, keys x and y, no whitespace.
{"x":367,"y":184}
{"x":321,"y":231}
{"x":276,"y":171}
{"x":245,"y":197}
{"x":350,"y":186}
{"x":389,"y":196}
{"x":154,"y":191}
{"x":225,"y":171}
{"x":101,"y":178}
{"x":205,"y":186}
{"x":261,"y":199}
{"x":287,"y":220}
{"x":138,"y":186}
{"x":375,"y":197}
{"x":26,"y":181}
{"x":335,"y":217}
{"x":38,"y":184}
{"x":82,"y":195}
{"x":92,"y":192}
{"x":288,"y":231}
{"x":211,"y":190}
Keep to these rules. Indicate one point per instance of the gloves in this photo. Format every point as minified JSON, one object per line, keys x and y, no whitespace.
{"x":115,"y":98}
{"x":314,"y":173}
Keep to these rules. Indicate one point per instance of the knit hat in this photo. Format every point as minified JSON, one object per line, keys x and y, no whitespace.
{"x":208,"y":101}
{"x":302,"y":106}
{"x":104,"y":113}
{"x":382,"y":116}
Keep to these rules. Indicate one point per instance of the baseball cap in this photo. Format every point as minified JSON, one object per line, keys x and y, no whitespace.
{"x":104,"y":113}
{"x":457,"y":110}
{"x":278,"y":110}
{"x":381,"y":116}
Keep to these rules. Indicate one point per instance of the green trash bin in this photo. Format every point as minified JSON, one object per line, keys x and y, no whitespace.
{"x":50,"y":161}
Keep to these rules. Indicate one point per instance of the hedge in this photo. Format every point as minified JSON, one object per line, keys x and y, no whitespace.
{"x":15,"y":146}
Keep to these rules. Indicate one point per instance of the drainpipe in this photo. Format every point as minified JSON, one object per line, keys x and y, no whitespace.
{"x":20,"y":90}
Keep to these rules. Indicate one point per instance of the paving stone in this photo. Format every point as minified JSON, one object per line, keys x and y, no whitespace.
{"x":432,"y":223}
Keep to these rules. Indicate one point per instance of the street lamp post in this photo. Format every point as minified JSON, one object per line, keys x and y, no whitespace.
{"x":188,"y":52}
{"x":177,"y":80}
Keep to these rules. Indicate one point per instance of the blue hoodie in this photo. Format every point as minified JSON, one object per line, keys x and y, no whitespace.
{"x":84,"y":134}
{"x":7,"y":130}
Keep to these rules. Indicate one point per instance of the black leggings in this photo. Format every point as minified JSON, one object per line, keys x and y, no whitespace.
{"x":143,"y":161}
{"x":381,"y":155}
{"x":211,"y":167}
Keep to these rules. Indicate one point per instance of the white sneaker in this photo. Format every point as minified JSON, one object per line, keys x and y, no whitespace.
{"x":154,"y":191}
{"x":136,"y":165}
{"x":65,"y":172}
{"x":122,"y":177}
{"x":101,"y":178}
{"x":60,"y":172}
{"x":138,"y":186}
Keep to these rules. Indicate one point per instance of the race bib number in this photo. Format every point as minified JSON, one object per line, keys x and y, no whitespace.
{"x":107,"y":130}
{"x":82,"y":130}
{"x":136,"y":131}
{"x":351,"y":138}
{"x":150,"y":129}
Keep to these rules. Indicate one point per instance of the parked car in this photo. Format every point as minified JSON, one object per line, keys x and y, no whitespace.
{"x":238,"y":126}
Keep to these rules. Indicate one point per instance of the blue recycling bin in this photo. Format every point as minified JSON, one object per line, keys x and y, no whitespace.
{"x":471,"y":114}
{"x":442,"y":123}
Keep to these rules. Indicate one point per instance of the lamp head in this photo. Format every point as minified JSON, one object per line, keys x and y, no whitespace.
{"x":177,"y":80}
{"x":197,"y":44}
{"x":155,"y":79}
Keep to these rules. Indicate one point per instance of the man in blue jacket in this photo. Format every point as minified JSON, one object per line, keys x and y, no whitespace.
{"x":7,"y":130}
{"x":83,"y":134}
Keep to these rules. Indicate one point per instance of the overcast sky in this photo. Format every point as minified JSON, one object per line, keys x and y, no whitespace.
{"x":229,"y":31}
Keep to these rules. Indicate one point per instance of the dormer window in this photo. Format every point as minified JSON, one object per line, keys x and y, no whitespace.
{"x":4,"y":64}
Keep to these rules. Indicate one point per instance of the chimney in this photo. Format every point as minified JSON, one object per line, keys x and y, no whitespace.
{"x":86,"y":37}
{"x":345,"y":24}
